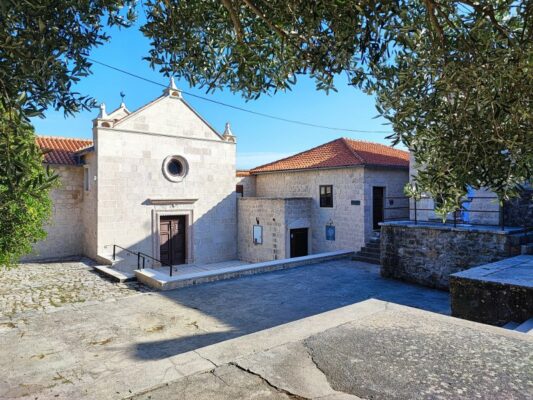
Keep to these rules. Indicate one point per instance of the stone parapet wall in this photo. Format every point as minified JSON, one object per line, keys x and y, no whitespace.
{"x":428,"y":255}
{"x":495,"y":293}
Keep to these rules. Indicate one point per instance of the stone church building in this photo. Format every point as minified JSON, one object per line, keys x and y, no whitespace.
{"x":161,"y":181}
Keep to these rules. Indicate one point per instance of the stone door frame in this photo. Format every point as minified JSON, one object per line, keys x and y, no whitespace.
{"x":156,"y":221}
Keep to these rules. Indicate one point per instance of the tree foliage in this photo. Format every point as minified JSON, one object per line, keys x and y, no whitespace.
{"x":453,"y":77}
{"x":24,"y":184}
{"x":461,"y":98}
{"x":44,"y":48}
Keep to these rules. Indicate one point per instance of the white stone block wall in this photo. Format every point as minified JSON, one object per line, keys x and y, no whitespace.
{"x":89,"y":207}
{"x":393,"y":180}
{"x":277,"y":216}
{"x":271,"y":216}
{"x":65,"y":229}
{"x":348,"y":219}
{"x":130,"y":174}
{"x":248,"y":183}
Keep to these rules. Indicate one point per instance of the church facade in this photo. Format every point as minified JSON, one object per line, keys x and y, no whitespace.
{"x":159,"y":180}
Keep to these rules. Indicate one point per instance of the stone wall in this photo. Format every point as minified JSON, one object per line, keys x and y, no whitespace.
{"x":89,"y":206}
{"x":495,"y":293}
{"x":519,"y":211}
{"x":248,"y":184}
{"x":276,"y":216}
{"x":351,"y":214}
{"x":65,"y":229}
{"x":348,"y":185}
{"x":429,"y":254}
{"x":133,"y":192}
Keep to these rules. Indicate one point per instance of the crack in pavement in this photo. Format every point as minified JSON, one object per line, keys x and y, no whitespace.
{"x":205,"y":358}
{"x":270,"y":384}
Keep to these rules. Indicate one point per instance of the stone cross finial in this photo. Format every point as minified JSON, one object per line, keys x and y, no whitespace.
{"x":103,"y":113}
{"x":172,"y":89}
{"x":228,"y":134}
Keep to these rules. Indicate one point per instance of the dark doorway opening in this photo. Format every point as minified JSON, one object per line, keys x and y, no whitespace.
{"x":299,"y":245}
{"x":172,"y":239}
{"x":378,"y":201}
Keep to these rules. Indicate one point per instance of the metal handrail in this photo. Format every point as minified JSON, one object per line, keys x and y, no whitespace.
{"x":159,"y":261}
{"x":140,"y":255}
{"x":414,"y":206}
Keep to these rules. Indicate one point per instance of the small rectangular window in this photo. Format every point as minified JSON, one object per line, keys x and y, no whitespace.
{"x":326,"y":195}
{"x":86,"y":181}
{"x":240,"y":190}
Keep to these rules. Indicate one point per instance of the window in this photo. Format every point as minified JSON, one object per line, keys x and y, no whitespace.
{"x":175,"y":168}
{"x":86,"y":181}
{"x":326,"y":195}
{"x":240,"y":190}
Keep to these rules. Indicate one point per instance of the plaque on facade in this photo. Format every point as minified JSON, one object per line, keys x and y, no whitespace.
{"x":330,"y":232}
{"x":258,"y":234}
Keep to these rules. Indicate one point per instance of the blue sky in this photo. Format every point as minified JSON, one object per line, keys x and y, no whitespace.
{"x":260,"y":140}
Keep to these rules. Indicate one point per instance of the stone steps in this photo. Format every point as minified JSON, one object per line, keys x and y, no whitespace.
{"x":370,"y":260}
{"x":370,"y":252}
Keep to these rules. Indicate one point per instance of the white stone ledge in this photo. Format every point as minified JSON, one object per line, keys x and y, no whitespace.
{"x":162,"y":281}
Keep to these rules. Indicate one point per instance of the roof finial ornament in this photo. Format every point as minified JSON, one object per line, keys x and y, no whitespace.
{"x":172,"y":90}
{"x":228,"y":135}
{"x":122,"y":95}
{"x":103,"y":113}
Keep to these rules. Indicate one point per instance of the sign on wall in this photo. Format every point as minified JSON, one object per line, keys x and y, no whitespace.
{"x":330,"y":232}
{"x":257,"y":234}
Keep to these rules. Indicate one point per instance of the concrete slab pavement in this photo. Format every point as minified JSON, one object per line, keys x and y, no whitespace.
{"x":104,"y":350}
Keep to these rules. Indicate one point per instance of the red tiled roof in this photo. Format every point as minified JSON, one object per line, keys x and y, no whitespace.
{"x":60,"y":150}
{"x":341,"y":152}
{"x":242,"y":173}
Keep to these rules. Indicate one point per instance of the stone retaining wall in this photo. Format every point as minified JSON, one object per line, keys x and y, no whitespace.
{"x":496,"y":293}
{"x":428,"y":255}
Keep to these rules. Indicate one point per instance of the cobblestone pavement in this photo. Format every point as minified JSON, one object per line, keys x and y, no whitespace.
{"x":45,"y":287}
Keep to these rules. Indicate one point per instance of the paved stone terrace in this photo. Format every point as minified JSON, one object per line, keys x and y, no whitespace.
{"x":46,"y":287}
{"x":103,"y":349}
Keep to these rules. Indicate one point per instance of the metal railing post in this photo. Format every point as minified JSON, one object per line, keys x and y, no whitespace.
{"x":171,"y":270}
{"x":114,"y":252}
{"x":139,"y":260}
{"x":502,"y":219}
{"x":144,"y":259}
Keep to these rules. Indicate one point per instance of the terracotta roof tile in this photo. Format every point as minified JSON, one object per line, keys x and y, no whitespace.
{"x":341,"y":152}
{"x":60,"y":150}
{"x":242,"y":173}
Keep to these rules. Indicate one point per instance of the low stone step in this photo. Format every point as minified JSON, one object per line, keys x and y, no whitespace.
{"x":370,"y":260}
{"x":372,"y":250}
{"x":114,"y":275}
{"x":367,"y":254}
{"x":525,"y":327}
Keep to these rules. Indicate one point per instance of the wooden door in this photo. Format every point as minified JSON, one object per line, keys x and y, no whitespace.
{"x":299,"y":245}
{"x":172,"y":239}
{"x":378,"y":201}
